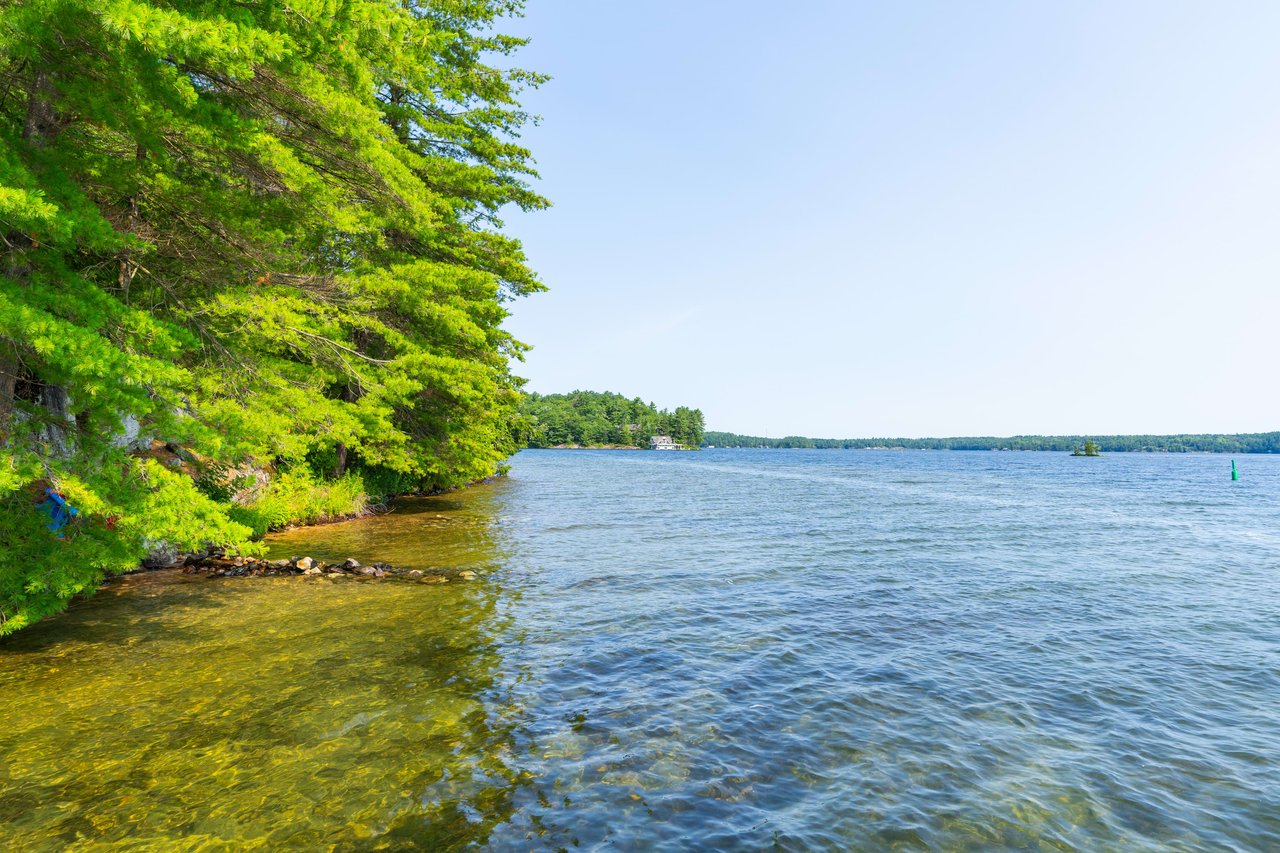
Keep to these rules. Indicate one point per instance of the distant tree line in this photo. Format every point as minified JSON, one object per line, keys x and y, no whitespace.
{"x":601,"y":418}
{"x":1263,"y":442}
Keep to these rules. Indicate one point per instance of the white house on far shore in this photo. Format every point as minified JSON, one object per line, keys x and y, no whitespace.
{"x":662,"y":442}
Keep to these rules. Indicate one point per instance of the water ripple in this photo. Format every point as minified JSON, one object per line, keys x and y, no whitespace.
{"x":731,"y":650}
{"x":920,"y":650}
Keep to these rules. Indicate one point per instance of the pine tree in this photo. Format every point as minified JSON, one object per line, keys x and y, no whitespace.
{"x":265,"y":235}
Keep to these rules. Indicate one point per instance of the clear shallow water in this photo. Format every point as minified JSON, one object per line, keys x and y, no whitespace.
{"x":724,"y":650}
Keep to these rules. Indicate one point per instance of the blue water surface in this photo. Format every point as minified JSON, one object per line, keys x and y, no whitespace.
{"x":832,"y":649}
{"x":723,"y":650}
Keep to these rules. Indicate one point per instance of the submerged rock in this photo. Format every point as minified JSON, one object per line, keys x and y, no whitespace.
{"x":217,"y":565}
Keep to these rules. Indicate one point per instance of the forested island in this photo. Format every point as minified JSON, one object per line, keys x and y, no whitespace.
{"x":254,"y":273}
{"x":1262,"y":442}
{"x":604,"y":419}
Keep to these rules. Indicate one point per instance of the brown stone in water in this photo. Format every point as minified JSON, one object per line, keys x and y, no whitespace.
{"x":220,"y":566}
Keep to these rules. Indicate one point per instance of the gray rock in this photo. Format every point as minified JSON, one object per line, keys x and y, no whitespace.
{"x":350,"y":563}
{"x":162,"y":555}
{"x":305,"y":563}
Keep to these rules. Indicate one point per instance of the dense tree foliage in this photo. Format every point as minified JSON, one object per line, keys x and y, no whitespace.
{"x":596,"y":418}
{"x":1263,"y":442}
{"x":264,"y":235}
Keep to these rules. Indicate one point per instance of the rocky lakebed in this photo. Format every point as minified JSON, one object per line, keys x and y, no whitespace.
{"x":218,"y":566}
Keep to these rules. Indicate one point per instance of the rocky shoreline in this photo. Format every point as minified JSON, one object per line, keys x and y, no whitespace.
{"x":244,"y":567}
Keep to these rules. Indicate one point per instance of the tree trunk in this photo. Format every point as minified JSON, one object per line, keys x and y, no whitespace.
{"x":396,"y":98}
{"x":349,"y":395}
{"x":40,"y":126}
{"x":127,"y":270}
{"x":57,"y":403}
{"x":8,"y":384}
{"x":42,"y":116}
{"x":341,"y":467}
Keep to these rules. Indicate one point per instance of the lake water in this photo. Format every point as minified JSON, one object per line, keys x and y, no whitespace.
{"x":729,"y":650}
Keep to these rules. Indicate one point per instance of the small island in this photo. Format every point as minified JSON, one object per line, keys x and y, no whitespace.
{"x":1090,"y":449}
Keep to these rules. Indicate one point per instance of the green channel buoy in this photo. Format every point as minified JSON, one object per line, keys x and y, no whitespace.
{"x":1235,"y":475}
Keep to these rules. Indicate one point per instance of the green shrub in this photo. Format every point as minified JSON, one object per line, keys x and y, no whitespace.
{"x":299,"y":497}
{"x":123,"y":511}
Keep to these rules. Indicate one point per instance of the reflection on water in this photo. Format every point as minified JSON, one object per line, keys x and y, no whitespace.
{"x":451,"y":531}
{"x":728,"y":650}
{"x":179,"y":711}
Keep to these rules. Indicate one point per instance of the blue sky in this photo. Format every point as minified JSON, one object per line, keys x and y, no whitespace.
{"x":910,"y":219}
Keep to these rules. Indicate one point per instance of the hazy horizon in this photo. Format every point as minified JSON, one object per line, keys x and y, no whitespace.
{"x":909,"y":221}
{"x":972,"y":435}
